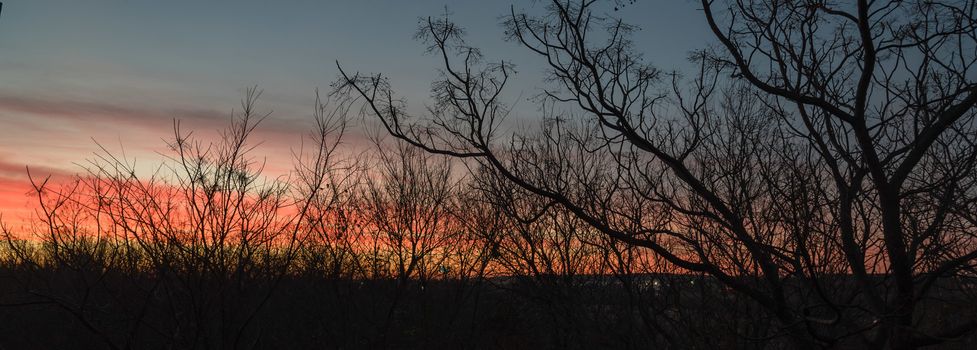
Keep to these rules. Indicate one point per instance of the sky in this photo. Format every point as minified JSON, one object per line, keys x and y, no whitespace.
{"x":78,"y":74}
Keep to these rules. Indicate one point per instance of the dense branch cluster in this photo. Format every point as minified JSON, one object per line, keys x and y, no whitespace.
{"x":207,"y":251}
{"x":821,"y":161}
{"x":813,"y":184}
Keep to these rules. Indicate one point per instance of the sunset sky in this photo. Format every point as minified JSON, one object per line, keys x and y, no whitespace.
{"x":73,"y":73}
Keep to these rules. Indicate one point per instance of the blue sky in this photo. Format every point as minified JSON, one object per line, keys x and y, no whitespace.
{"x":119,"y":71}
{"x":201,"y":50}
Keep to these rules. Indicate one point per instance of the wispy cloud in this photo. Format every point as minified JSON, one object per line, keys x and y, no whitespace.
{"x":90,"y":111}
{"x":44,"y":112}
{"x":54,"y":134}
{"x":10,"y":169}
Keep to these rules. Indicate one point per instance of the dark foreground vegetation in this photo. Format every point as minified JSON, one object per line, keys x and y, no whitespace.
{"x":813,"y":184}
{"x":310,"y":311}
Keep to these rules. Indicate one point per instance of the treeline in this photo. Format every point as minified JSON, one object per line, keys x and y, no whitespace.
{"x":388,"y":248}
{"x":817,"y":159}
{"x":812,"y":184}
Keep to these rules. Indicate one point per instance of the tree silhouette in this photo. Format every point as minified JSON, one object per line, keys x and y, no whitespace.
{"x":820,"y":162}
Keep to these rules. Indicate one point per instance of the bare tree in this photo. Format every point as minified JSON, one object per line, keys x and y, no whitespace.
{"x":884,"y":92}
{"x":821,"y":162}
{"x":187,"y":255}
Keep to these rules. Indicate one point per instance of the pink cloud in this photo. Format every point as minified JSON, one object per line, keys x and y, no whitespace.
{"x":53,"y":135}
{"x":102,"y":112}
{"x":42,"y":114}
